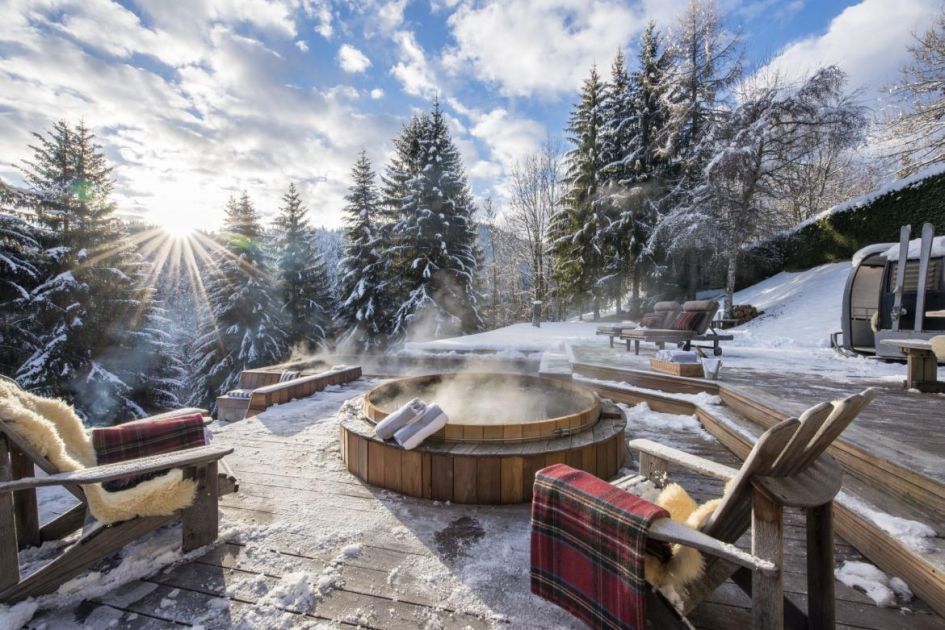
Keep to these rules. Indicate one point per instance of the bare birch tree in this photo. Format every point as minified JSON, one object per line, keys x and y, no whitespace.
{"x":918,"y":132}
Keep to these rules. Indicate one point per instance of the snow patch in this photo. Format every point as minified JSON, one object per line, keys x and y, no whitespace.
{"x":912,"y":534}
{"x":885,"y":592}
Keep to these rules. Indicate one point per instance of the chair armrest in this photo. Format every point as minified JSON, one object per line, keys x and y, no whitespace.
{"x":670,"y":531}
{"x":693,"y":462}
{"x":108,"y":472}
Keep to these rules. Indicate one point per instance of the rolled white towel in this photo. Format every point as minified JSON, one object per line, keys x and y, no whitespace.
{"x":412,"y":435}
{"x":410,"y":412}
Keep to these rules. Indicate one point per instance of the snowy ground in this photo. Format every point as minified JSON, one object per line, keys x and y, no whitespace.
{"x":800,"y":311}
{"x":520,"y":338}
{"x":470,"y":563}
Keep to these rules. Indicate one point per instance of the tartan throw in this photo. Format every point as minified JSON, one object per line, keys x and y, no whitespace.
{"x":587,"y":547}
{"x":140,"y":439}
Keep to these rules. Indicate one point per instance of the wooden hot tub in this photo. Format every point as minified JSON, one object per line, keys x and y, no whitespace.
{"x":503,"y":428}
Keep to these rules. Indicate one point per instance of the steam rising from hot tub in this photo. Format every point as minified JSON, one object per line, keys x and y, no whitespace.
{"x":473,"y":398}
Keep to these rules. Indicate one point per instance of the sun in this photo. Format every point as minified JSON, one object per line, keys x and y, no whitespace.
{"x":177,"y":224}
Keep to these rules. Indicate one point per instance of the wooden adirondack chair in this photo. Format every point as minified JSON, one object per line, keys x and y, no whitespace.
{"x":19,"y":514}
{"x":786,"y":468}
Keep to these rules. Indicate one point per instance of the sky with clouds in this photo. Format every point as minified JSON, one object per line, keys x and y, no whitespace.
{"x":196,"y":100}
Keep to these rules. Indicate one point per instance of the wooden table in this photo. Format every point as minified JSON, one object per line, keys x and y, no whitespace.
{"x":922,"y":365}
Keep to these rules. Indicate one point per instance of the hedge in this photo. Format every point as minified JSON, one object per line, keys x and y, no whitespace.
{"x":841,"y":231}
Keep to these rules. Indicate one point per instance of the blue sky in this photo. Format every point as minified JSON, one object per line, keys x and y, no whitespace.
{"x":194,"y":101}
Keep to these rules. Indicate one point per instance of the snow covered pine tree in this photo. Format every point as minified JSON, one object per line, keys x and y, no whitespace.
{"x":433,"y":252}
{"x":90,"y":344}
{"x":243,"y":328}
{"x":365,"y":305}
{"x":303,"y":282}
{"x":575,"y":228}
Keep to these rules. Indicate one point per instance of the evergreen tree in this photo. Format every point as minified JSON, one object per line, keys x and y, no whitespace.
{"x":87,"y":314}
{"x":645,"y":165}
{"x":576,"y":227}
{"x":434,"y":255}
{"x":619,"y":128}
{"x":23,"y":263}
{"x":365,"y":306}
{"x":244,"y":326}
{"x":303,"y":281}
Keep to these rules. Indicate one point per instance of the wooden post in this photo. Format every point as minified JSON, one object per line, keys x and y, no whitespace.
{"x":24,"y":501}
{"x":654,"y":469}
{"x":9,"y":559}
{"x":821,"y":605}
{"x":201,"y":520}
{"x":922,"y":369}
{"x":767,"y":543}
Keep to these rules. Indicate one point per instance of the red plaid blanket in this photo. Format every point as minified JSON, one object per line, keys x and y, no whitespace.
{"x":140,"y":439}
{"x":587,"y":547}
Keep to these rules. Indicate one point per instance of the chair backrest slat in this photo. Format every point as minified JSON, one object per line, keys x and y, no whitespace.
{"x":727,"y":523}
{"x":811,"y":422}
{"x":843,"y":414}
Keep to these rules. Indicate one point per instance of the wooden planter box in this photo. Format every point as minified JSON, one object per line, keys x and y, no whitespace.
{"x":677,"y":369}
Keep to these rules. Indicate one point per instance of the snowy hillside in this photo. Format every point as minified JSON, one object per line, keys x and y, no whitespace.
{"x":800,"y":308}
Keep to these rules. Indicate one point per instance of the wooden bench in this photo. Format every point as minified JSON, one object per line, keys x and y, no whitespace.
{"x":232,"y":408}
{"x":921,"y":364}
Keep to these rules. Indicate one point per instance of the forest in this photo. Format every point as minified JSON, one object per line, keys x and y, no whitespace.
{"x":673,"y":162}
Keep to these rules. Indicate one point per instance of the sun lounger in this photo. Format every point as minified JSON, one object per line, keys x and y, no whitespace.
{"x":692,"y":323}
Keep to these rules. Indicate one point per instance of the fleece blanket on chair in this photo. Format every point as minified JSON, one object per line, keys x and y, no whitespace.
{"x":54,"y":430}
{"x":588,"y":544}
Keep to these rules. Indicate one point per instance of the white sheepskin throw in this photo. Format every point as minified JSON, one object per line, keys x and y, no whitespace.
{"x":685,"y":564}
{"x":55,"y":431}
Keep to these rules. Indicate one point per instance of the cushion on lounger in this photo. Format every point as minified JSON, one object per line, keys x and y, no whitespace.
{"x":666,"y":306}
{"x":701,"y":305}
{"x":688,"y":320}
{"x":652,"y":320}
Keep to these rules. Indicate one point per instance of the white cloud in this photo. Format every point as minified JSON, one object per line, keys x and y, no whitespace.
{"x":224,"y":118}
{"x":377,"y":93}
{"x":868,"y":41}
{"x":352,"y":60}
{"x":301,"y":45}
{"x":508,"y":137}
{"x":544,"y":46}
{"x":320,"y":11}
{"x":413,"y":70}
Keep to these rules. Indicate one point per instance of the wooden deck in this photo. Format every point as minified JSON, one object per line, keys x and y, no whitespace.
{"x":380,"y":560}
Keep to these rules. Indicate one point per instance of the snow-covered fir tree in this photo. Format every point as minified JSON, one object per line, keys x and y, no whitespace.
{"x":433,"y":256}
{"x":304,"y":289}
{"x":577,"y":226}
{"x":619,"y":128}
{"x":244,"y":326}
{"x":365,"y":305}
{"x":87,"y":315}
{"x":645,"y":166}
{"x":22,"y":267}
